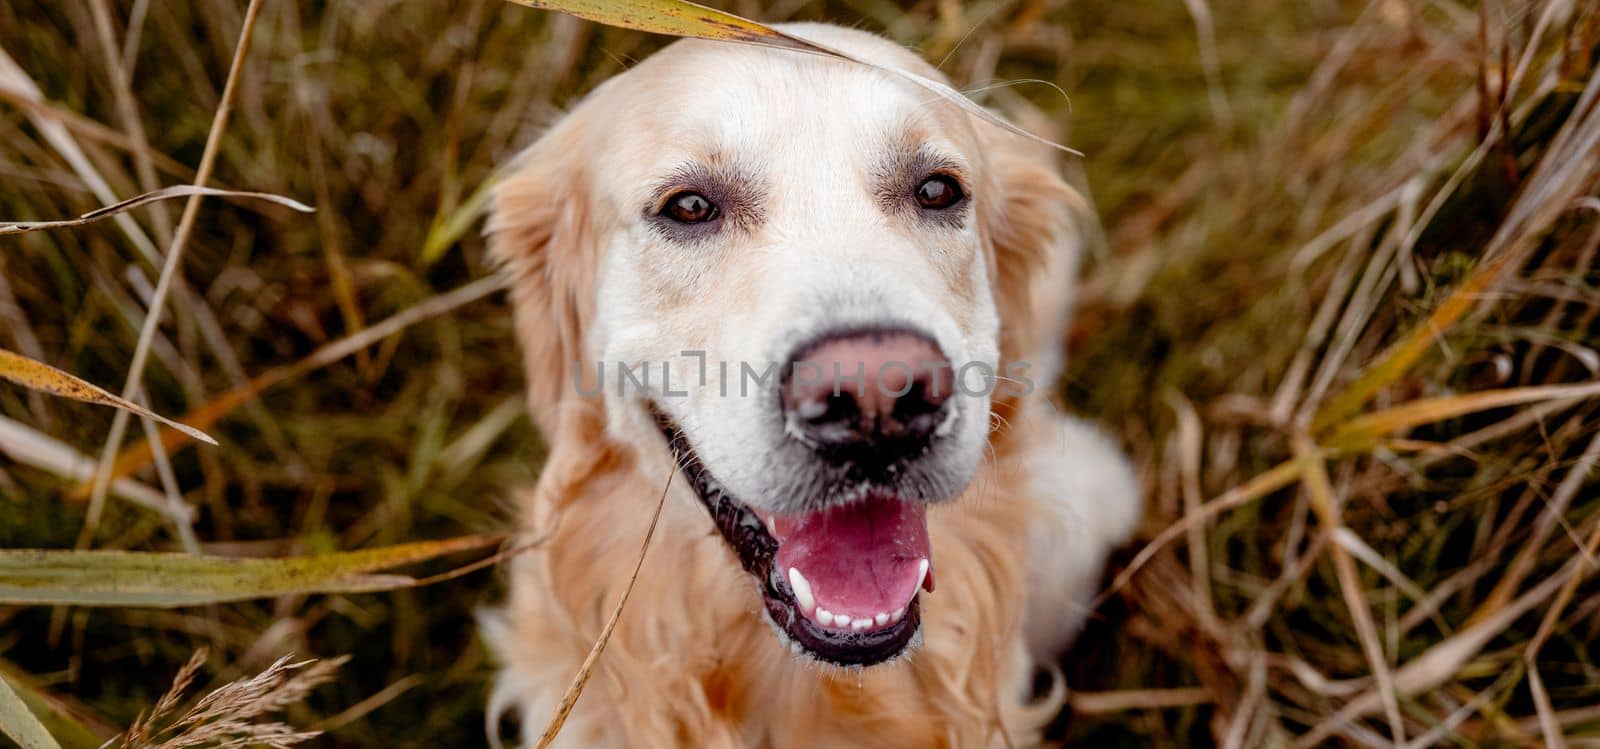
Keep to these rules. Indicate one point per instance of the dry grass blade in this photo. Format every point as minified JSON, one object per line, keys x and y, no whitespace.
{"x":130,"y":578}
{"x":1189,"y":438}
{"x":19,"y":723}
{"x":1320,"y":491}
{"x":47,"y":379}
{"x":1369,"y":556}
{"x":1444,"y":660}
{"x":366,"y":706}
{"x":128,"y":110}
{"x":1101,"y":703}
{"x":169,"y":269}
{"x":70,"y":721}
{"x":675,"y":18}
{"x":56,"y":127}
{"x":1206,"y":33}
{"x":1249,"y":709}
{"x":575,"y":689}
{"x":1366,"y":430}
{"x":1553,"y":739}
{"x":140,"y":454}
{"x":1554,"y":187}
{"x":18,"y":85}
{"x":1549,"y":722}
{"x":1549,"y":519}
{"x":169,"y":484}
{"x":681,"y":18}
{"x":30,"y":447}
{"x":1403,"y":355}
{"x":165,"y":193}
{"x":1282,"y":475}
{"x":82,"y":126}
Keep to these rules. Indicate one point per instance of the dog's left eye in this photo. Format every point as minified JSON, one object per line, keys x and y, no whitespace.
{"x":938,"y":192}
{"x":689,"y":207}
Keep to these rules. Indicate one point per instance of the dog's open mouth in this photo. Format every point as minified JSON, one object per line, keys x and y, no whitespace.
{"x":841,"y":584}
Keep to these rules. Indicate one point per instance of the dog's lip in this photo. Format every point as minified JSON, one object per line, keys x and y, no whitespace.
{"x":747,"y":533}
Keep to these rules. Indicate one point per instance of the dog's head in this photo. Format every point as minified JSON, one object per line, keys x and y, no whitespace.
{"x":813,"y":283}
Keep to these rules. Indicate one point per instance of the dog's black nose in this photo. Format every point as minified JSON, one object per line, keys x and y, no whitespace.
{"x":878,"y":396}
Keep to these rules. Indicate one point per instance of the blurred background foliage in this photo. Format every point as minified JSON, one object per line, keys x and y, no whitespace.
{"x":1259,"y":168}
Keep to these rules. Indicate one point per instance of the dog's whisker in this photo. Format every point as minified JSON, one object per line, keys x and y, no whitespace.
{"x":964,"y":37}
{"x":1012,"y":380}
{"x":1004,"y":425}
{"x":1021,"y":81}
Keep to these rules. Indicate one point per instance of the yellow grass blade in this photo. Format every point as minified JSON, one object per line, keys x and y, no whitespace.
{"x":1400,"y":357}
{"x":19,"y":723}
{"x":1103,"y":703}
{"x":165,"y":193}
{"x":1366,"y":430}
{"x":675,"y":18}
{"x":45,"y":378}
{"x":446,"y":229}
{"x":129,"y":578}
{"x":686,"y":19}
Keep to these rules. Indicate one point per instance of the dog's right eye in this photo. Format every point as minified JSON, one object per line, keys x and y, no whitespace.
{"x":939,"y":192}
{"x":690,"y":207}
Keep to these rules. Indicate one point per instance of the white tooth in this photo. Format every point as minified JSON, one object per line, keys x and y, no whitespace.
{"x":825,"y":617}
{"x":881,"y":618}
{"x":860,"y":624}
{"x":772,"y":527}
{"x":802,"y":589}
{"x":898,"y":613}
{"x":922,"y":574}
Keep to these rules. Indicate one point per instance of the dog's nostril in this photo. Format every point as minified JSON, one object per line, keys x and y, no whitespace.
{"x":839,"y":407}
{"x":921,"y":399}
{"x":829,"y":419}
{"x":921,"y":408}
{"x":882,"y":392}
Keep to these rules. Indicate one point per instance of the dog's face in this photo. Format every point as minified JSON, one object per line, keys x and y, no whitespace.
{"x":779,"y":268}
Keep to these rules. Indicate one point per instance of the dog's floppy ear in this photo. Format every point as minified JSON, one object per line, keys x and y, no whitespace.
{"x":1035,"y":224}
{"x":541,"y":234}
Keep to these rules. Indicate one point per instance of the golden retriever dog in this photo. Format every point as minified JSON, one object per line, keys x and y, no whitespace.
{"x":822,"y":309}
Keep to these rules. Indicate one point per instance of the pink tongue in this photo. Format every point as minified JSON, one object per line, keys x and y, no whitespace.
{"x":860,"y":559}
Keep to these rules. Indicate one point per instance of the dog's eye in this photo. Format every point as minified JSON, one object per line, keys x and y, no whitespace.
{"x":690,"y":208}
{"x":938,"y":192}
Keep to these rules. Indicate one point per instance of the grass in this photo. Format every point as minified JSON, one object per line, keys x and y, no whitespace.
{"x":1335,"y":273}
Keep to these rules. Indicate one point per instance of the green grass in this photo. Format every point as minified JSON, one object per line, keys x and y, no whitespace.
{"x":388,"y":116}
